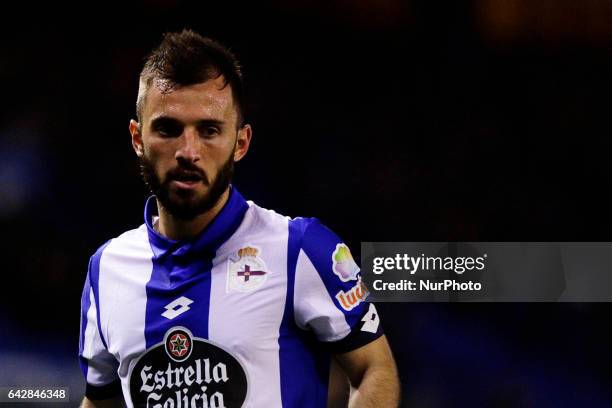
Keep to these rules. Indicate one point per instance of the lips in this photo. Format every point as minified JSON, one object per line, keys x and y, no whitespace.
{"x":185,"y":185}
{"x":193,"y":178}
{"x":185,"y":179}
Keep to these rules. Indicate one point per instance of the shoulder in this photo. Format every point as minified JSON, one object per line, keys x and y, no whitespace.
{"x":133,"y":239}
{"x":317,"y":241}
{"x":309,"y":238}
{"x":263,"y":216}
{"x":308,"y":231}
{"x":261,"y":221}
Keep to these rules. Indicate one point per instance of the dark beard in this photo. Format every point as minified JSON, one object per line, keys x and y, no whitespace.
{"x":186,"y":208}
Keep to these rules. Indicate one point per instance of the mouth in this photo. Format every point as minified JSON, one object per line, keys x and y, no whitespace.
{"x":186,"y":181}
{"x":185,"y":184}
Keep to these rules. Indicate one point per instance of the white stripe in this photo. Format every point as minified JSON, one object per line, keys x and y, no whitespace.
{"x":248,"y":324}
{"x":125,"y":268}
{"x":90,"y":329}
{"x":314,"y":309}
{"x":100,"y":370}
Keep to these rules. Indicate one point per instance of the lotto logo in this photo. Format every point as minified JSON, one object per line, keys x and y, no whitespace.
{"x":370,"y":320}
{"x":177,"y":307}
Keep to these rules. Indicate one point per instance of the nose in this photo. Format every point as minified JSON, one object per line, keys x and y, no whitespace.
{"x":188,"y":149}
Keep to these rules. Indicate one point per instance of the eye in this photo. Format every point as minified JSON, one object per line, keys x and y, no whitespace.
{"x":167,"y":129}
{"x":209,"y":131}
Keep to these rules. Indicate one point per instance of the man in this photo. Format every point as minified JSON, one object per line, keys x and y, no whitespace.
{"x":214,"y":301}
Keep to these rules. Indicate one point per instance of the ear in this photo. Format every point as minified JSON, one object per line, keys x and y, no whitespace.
{"x":243,"y":142}
{"x":136,"y":138}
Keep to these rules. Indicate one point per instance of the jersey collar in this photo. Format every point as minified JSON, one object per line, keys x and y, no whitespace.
{"x":209,"y":240}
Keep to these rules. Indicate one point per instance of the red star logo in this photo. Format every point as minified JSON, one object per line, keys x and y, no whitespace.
{"x":179,"y":345}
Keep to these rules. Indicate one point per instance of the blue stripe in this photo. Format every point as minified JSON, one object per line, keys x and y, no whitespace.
{"x":304,"y":366}
{"x":171,"y":278}
{"x":94,"y":278}
{"x":85,"y":304}
{"x":184,"y":269}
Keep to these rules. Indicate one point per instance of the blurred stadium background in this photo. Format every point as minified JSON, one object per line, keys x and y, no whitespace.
{"x":482,"y":120}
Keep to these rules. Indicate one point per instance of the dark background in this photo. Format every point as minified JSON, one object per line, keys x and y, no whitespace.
{"x":388,"y":120}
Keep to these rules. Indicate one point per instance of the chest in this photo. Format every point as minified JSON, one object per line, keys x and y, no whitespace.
{"x":236,"y":299}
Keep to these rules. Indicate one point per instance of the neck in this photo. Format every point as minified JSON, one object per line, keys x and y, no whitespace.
{"x":178,"y":230}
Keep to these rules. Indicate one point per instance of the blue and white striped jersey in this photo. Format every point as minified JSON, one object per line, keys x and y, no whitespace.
{"x":247,"y":314}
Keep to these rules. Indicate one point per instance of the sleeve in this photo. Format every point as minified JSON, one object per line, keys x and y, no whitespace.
{"x":98,"y":365}
{"x":329,"y":295}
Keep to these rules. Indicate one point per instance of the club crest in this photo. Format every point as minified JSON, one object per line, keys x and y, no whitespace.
{"x":246,"y":272}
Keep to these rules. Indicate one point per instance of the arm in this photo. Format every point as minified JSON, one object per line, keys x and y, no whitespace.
{"x":339,"y":388}
{"x":116,"y":402}
{"x":98,"y":365}
{"x":330,"y":299}
{"x":372,"y":372}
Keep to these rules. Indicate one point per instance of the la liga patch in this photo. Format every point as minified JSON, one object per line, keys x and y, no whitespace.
{"x":343,"y":264}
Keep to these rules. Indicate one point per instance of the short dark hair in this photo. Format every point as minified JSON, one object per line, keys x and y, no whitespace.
{"x":187,"y":58}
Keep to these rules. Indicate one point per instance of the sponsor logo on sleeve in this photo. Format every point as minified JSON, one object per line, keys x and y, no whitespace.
{"x":353,"y":297}
{"x":343,"y":264}
{"x":187,"y":371}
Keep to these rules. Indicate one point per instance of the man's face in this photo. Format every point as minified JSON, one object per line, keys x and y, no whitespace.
{"x":187,"y":144}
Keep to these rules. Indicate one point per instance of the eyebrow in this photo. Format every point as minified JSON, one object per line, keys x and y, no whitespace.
{"x":203,"y":122}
